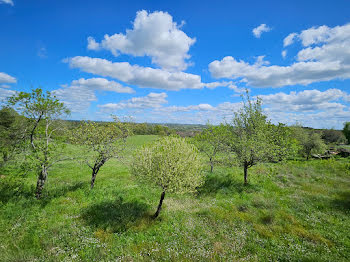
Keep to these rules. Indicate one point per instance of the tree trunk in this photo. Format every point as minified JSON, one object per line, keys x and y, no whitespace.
{"x":93,"y":177}
{"x":159,"y":205}
{"x":245,"y":174}
{"x":41,"y":182}
{"x":211,"y":166}
{"x":95,"y":170}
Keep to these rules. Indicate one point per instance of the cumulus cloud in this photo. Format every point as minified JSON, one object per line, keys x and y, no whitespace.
{"x":326,"y":56}
{"x":7,"y":79}
{"x":152,"y":100}
{"x":153,"y":34}
{"x":76,"y":98}
{"x":102,"y":84}
{"x":5,"y":93}
{"x":260,"y":29}
{"x":199,"y":107}
{"x":157,"y":111}
{"x":144,"y":77}
{"x":310,"y":107}
{"x":79,"y":95}
{"x":307,"y":100}
{"x":289,"y":39}
{"x":10,"y":2}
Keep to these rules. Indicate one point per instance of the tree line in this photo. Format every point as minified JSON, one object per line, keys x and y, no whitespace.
{"x":32,"y":129}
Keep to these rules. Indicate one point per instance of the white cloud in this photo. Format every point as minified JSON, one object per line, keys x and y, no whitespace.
{"x":153,"y":34}
{"x":102,"y":84}
{"x":79,"y":95}
{"x":199,"y":107}
{"x":326,"y":57}
{"x":76,"y":98}
{"x":7,"y":79}
{"x":144,"y":77}
{"x":152,"y":100}
{"x":304,"y":101}
{"x":289,"y":39}
{"x":152,"y":108}
{"x":260,"y":29}
{"x":5,"y":93}
{"x":238,"y":90}
{"x":92,"y":44}
{"x":214,"y":85}
{"x":10,"y":2}
{"x":311,"y":119}
{"x":284,"y":53}
{"x":309,"y":107}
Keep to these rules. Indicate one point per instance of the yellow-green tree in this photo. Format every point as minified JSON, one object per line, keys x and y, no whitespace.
{"x":170,"y":163}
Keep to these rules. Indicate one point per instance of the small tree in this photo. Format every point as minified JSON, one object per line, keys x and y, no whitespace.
{"x":42,"y":111}
{"x":250,"y":135}
{"x":346,"y":131}
{"x":332,"y":136}
{"x":211,"y":141}
{"x":170,"y":163}
{"x":103,"y":141}
{"x":310,"y":142}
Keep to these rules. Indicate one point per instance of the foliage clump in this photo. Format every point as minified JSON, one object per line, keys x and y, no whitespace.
{"x":170,"y":163}
{"x":12,"y":134}
{"x":346,"y":131}
{"x":252,"y":137}
{"x":42,"y":110}
{"x":309,"y":141}
{"x":103,"y":141}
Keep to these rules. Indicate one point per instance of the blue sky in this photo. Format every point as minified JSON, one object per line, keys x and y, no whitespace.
{"x":181,"y":61}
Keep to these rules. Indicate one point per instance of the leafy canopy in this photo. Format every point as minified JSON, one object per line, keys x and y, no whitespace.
{"x":105,"y":140}
{"x":211,"y":140}
{"x":250,"y":136}
{"x":38,"y":104}
{"x":171,"y":163}
{"x":310,"y":141}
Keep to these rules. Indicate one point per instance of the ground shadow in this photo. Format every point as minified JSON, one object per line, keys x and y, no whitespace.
{"x":56,"y":192}
{"x":225,"y":184}
{"x":342,"y":201}
{"x":116,"y":216}
{"x":15,"y":189}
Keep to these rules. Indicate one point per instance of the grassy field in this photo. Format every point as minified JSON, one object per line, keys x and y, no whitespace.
{"x":292,"y":211}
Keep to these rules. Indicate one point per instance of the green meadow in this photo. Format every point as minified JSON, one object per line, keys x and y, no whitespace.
{"x":289,"y":211}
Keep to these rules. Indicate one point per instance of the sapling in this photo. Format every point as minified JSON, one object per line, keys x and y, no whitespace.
{"x":170,"y":163}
